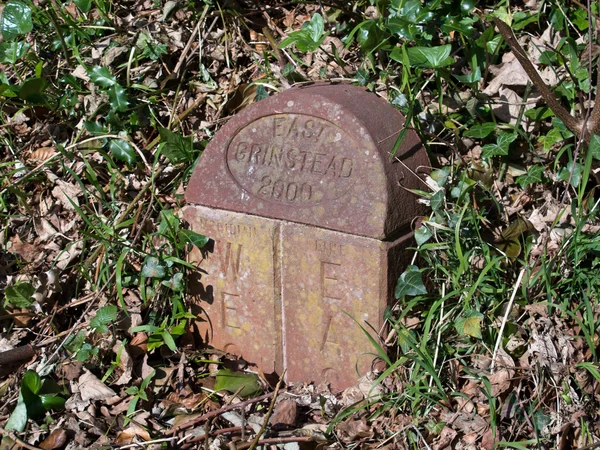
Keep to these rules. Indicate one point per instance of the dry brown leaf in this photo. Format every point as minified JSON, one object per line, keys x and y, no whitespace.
{"x":445,"y":439}
{"x":352,"y":430}
{"x":66,"y":194}
{"x":28,"y":252}
{"x":42,"y":154}
{"x":91,"y":388}
{"x":57,"y":439}
{"x":126,"y":436}
{"x":285,"y":413}
{"x":125,"y":363}
{"x":469,"y":423}
{"x":138,"y":345}
{"x":511,"y":74}
{"x":508,"y":108}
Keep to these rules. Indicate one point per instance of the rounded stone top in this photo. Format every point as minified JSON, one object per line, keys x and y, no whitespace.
{"x":317,"y":154}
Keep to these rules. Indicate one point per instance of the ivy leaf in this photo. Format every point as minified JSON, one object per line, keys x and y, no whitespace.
{"x":565,"y":173}
{"x":118,"y":98}
{"x":595,"y":146}
{"x":422,"y":235}
{"x":32,"y":90}
{"x":469,"y":324}
{"x":501,"y":147}
{"x":437,"y":200}
{"x":122,"y":150}
{"x":410,"y":283}
{"x":481,"y":131}
{"x":20,"y":294}
{"x":104,"y":316}
{"x":309,"y":38}
{"x":230,"y":381}
{"x":11,"y":52}
{"x":193,"y":238}
{"x":152,"y":268}
{"x":430,"y":57}
{"x":175,"y":283}
{"x":533,"y":175}
{"x":102,"y":76}
{"x":15,"y":20}
{"x":84,"y":5}
{"x":149,"y":48}
{"x":176,"y":147}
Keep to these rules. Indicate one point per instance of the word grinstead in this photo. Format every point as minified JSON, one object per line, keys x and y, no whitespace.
{"x":292,"y":158}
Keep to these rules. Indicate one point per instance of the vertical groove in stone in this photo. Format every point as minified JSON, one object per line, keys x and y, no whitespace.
{"x":278,"y":301}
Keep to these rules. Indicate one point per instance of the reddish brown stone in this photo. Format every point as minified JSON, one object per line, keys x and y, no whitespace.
{"x":239,"y":286}
{"x":318,"y":155}
{"x":310,"y":221}
{"x":334,"y":284}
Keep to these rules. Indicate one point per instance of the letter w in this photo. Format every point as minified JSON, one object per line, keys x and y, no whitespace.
{"x":230,"y":261}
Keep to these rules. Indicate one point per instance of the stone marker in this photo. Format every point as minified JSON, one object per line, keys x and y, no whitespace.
{"x":310,"y":220}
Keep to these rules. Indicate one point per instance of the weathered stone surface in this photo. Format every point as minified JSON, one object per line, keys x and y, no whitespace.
{"x":239,"y":289}
{"x":310,"y":221}
{"x":332,"y":284}
{"x":317,"y":155}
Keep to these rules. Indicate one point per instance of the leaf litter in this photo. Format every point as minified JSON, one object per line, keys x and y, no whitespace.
{"x":185,"y":402}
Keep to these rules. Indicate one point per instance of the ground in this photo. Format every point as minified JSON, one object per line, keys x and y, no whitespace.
{"x":105,"y":108}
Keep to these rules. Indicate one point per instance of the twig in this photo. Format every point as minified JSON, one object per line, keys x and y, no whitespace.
{"x":187,"y":47}
{"x":508,"y":309}
{"x":573,"y":124}
{"x":19,"y":442}
{"x":230,"y":430}
{"x":121,"y":218}
{"x":17,"y":354}
{"x":73,"y":328}
{"x":52,"y":15}
{"x":146,"y":443}
{"x":179,"y":118}
{"x":268,"y":415}
{"x":217,"y":412}
{"x":275,"y":441}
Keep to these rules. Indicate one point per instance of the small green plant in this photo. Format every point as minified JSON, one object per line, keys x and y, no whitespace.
{"x":19,"y":295}
{"x":35,"y":400}
{"x":139,"y":393}
{"x":309,"y":38}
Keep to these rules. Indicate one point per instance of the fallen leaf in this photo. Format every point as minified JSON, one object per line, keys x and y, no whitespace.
{"x":285,"y":413}
{"x":445,"y":439}
{"x":57,"y":439}
{"x":511,"y":74}
{"x":126,"y":436}
{"x":125,"y":363}
{"x":91,"y":388}
{"x":42,"y":154}
{"x":28,"y":252}
{"x":352,"y":430}
{"x":66,"y":194}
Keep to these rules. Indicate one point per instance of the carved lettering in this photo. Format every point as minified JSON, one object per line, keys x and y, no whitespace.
{"x":328,"y":248}
{"x":329,"y":334}
{"x":329,"y":280}
{"x":293,"y":159}
{"x":229,"y":229}
{"x":228,"y":310}
{"x":230,"y":260}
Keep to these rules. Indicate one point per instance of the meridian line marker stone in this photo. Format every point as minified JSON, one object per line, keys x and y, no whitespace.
{"x":309,"y":221}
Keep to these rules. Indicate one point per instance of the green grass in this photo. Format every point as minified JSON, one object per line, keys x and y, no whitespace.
{"x":109,"y":149}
